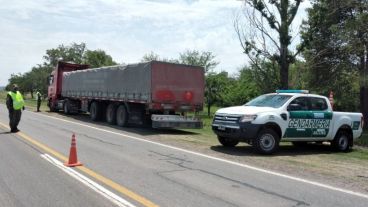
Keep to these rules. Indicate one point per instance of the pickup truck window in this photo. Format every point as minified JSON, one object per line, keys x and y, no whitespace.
{"x":274,"y":101}
{"x":318,"y":104}
{"x":310,"y":104}
{"x":302,"y":102}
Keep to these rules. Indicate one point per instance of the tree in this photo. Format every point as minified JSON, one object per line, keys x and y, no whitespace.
{"x":267,"y":35}
{"x":150,"y":57}
{"x":36,"y":78}
{"x":73,"y":53}
{"x":97,"y":58}
{"x":155,"y":57}
{"x":196,"y":58}
{"x":336,"y":44}
{"x":243,"y":90}
{"x":217,"y":85}
{"x":266,"y":76}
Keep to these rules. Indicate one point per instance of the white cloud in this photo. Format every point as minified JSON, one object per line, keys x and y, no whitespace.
{"x":125,"y":29}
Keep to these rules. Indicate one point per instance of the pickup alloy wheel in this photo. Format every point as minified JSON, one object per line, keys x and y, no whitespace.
{"x":267,"y":141}
{"x":227,"y":142}
{"x":341,"y":141}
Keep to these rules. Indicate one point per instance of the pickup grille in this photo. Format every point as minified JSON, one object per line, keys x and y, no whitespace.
{"x":228,"y":120}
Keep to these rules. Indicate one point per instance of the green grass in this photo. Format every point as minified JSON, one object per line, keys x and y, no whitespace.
{"x":363,"y":140}
{"x":29,"y":103}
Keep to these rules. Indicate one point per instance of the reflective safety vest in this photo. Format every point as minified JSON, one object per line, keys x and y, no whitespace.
{"x":17,"y":98}
{"x":38,"y":95}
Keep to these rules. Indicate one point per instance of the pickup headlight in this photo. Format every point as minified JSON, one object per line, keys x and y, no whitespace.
{"x":248,"y":118}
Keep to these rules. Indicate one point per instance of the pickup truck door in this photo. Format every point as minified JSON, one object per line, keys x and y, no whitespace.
{"x":311,"y":120}
{"x":322,"y":117}
{"x":297,"y":126}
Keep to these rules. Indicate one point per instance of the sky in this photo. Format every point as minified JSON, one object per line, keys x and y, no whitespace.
{"x":125,"y":29}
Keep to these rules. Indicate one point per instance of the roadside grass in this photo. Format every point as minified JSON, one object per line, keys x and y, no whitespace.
{"x":205,"y":134}
{"x":28,"y":101}
{"x":363,"y":140}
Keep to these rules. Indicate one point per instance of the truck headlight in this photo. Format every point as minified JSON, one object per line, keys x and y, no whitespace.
{"x":248,"y":118}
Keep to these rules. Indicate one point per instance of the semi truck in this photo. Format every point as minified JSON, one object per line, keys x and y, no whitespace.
{"x":288,"y":115}
{"x":160,"y":94}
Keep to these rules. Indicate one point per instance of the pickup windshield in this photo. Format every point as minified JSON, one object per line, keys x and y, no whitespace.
{"x":270,"y":100}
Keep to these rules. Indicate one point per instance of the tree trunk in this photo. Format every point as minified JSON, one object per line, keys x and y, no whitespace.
{"x":284,"y":42}
{"x":363,"y":85}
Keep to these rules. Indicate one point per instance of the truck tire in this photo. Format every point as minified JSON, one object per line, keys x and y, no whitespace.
{"x":111,"y":114}
{"x":341,"y":141}
{"x":122,"y":116}
{"x":227,"y":142}
{"x":266,"y":142}
{"x":66,"y":107}
{"x":95,"y":111}
{"x":51,"y":107}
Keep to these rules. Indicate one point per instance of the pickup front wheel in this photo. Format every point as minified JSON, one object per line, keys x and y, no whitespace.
{"x":267,"y":141}
{"x":227,"y":142}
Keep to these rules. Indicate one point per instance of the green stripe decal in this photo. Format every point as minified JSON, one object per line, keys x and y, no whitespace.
{"x":308,"y":124}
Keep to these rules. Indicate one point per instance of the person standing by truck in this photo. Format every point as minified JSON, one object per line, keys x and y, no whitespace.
{"x":15,"y":104}
{"x":38,"y":98}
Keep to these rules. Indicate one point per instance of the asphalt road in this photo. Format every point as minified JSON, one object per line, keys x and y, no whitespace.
{"x":142,"y":172}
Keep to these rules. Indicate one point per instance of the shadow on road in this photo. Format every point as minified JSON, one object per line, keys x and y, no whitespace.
{"x":132,"y":128}
{"x":284,"y":150}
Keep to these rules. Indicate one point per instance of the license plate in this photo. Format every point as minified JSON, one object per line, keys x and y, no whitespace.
{"x":221,"y":127}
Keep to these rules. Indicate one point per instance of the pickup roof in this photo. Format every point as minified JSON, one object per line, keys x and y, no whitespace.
{"x":287,"y":115}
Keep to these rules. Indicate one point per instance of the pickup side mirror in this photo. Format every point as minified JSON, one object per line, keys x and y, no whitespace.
{"x":294,"y":107}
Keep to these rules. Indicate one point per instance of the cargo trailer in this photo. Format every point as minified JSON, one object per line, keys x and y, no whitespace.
{"x":158,"y":93}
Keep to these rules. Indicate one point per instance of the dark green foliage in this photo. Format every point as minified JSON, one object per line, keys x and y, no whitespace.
{"x":97,"y":58}
{"x":203,"y":59}
{"x":336,"y":40}
{"x":36,"y":78}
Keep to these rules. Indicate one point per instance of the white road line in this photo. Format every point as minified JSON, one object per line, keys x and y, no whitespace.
{"x":89,"y":183}
{"x":219,"y":159}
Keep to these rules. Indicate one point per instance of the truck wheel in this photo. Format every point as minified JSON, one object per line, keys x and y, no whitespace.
{"x":95,"y":111}
{"x":341,"y":141}
{"x":66,"y":107}
{"x":51,"y":107}
{"x":227,"y":142}
{"x":111,"y":114}
{"x":122,"y":116}
{"x":267,"y":141}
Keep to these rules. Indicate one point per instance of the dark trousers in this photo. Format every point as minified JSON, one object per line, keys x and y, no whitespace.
{"x":38,"y":105}
{"x":14,"y":118}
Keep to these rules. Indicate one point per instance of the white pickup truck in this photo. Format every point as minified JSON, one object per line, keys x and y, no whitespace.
{"x":287,"y":115}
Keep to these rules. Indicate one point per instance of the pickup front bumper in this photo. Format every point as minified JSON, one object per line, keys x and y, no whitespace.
{"x":243,"y":132}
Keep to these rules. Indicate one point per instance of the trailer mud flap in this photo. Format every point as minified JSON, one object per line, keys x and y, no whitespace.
{"x":176,"y":121}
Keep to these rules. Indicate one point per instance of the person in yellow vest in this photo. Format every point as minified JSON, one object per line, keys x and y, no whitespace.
{"x":15,"y":104}
{"x":38,"y":98}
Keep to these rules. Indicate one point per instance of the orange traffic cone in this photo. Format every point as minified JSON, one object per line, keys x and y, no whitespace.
{"x":73,"y":160}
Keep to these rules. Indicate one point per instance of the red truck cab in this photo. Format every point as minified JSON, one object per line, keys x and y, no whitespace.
{"x":55,"y":81}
